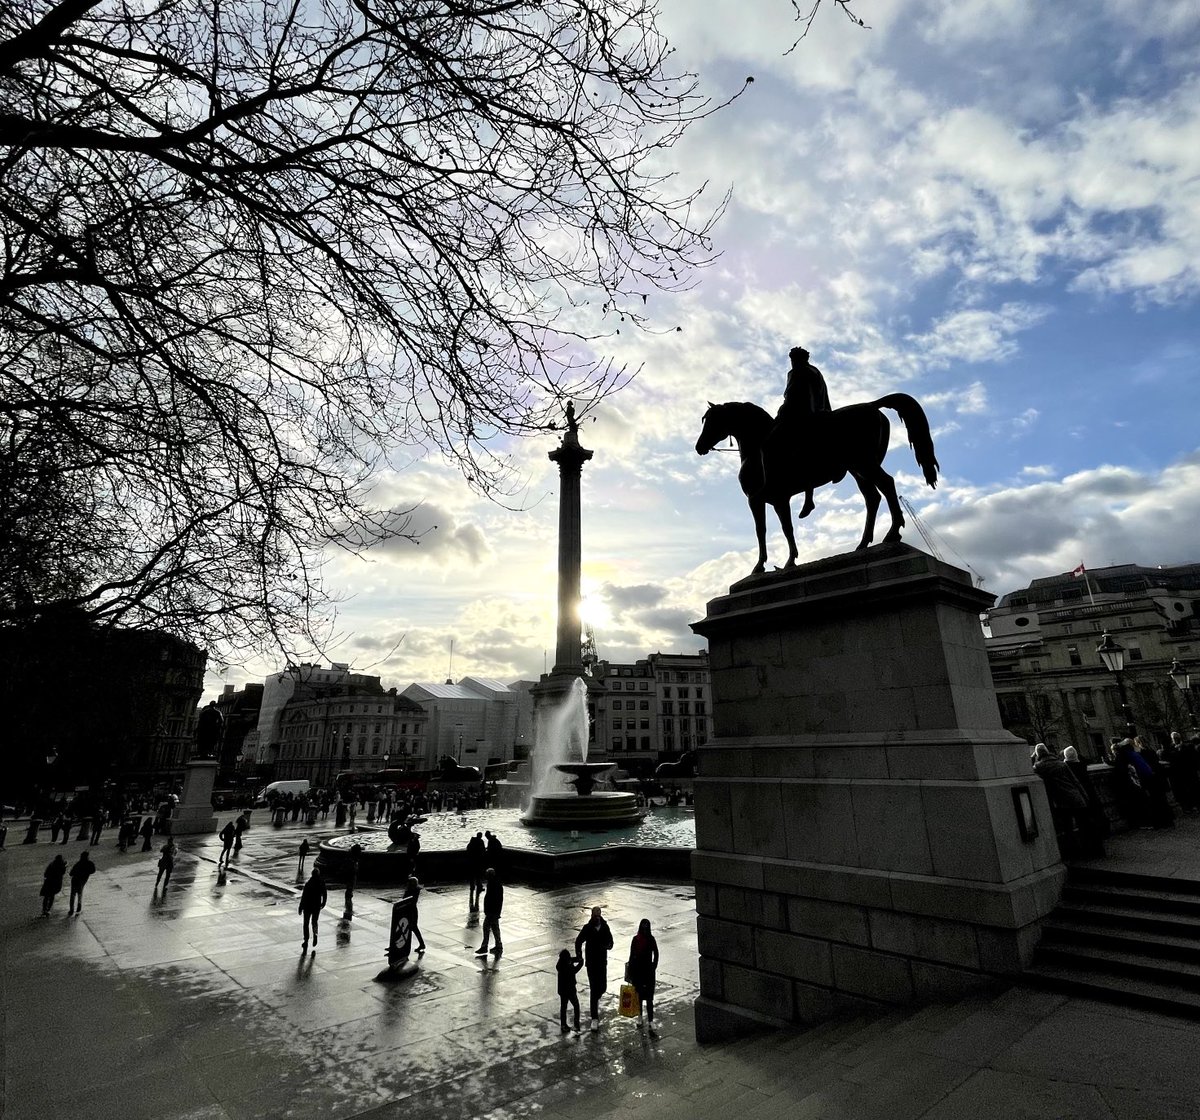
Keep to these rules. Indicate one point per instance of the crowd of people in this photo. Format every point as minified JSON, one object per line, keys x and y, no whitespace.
{"x":1145,"y":781}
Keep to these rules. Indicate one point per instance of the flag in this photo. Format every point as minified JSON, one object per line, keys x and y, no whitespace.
{"x":1079,"y":572}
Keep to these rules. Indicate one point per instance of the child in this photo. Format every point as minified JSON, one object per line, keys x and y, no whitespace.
{"x":567,"y":967}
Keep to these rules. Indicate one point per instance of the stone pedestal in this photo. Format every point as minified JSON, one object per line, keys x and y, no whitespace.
{"x":859,"y":831}
{"x":194,"y":814}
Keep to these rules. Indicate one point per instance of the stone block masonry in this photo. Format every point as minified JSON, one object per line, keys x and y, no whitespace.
{"x":856,"y":833}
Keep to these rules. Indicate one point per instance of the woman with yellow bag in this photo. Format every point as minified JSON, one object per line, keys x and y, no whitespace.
{"x":640,"y":971}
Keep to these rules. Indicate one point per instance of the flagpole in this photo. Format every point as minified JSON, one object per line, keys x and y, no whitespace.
{"x":1086,"y":580}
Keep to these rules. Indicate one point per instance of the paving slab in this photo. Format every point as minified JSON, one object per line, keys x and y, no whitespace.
{"x":197,"y":1004}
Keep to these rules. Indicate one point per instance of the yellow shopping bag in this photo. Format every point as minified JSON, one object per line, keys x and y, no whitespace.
{"x":631,"y":1002}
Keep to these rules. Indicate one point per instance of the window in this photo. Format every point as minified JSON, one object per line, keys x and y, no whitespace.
{"x":1073,"y":655}
{"x":1068,"y":628}
{"x":630,"y":743}
{"x":668,"y":725}
{"x":643,"y":725}
{"x":1035,"y":666}
{"x":1096,"y":627}
{"x":645,"y":742}
{"x":643,"y":685}
{"x":378,"y":728}
{"x":1126,"y":620}
{"x":701,"y":708}
{"x":699,"y":694}
{"x":374,"y":746}
{"x":668,"y":707}
{"x":631,"y":725}
{"x":616,"y":742}
{"x":616,"y":704}
{"x":644,"y":705}
{"x":1085,"y":701}
{"x":684,"y":693}
{"x":684,"y":707}
{"x":1133,"y":649}
{"x":666,"y":693}
{"x":362,"y":746}
{"x":616,"y":723}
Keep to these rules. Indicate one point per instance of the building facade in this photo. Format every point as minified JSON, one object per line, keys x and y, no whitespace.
{"x":476,"y":721}
{"x":1051,"y":683}
{"x":651,"y":710}
{"x":361,"y":728}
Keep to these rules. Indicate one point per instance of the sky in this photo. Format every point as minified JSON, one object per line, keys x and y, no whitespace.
{"x":991,"y":205}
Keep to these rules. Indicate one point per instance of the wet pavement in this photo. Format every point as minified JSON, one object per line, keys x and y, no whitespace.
{"x":200,"y":1006}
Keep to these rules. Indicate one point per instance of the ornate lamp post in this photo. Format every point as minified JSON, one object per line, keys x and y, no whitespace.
{"x":1113,"y":655}
{"x":1183,"y":681}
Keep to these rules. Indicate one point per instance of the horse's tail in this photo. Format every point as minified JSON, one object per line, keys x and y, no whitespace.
{"x":912,"y":415}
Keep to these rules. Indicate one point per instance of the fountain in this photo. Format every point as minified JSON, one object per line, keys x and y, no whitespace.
{"x":560,"y":761}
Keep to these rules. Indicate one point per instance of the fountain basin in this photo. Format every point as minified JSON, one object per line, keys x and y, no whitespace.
{"x":608,"y":809}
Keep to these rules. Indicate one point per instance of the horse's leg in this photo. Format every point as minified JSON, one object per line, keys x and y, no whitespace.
{"x":870,"y":494}
{"x":758,"y":507}
{"x":783,"y":510}
{"x":809,"y":505}
{"x":887,"y":484}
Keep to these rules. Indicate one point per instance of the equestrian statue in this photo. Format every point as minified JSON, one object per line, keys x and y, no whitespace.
{"x":808,"y":444}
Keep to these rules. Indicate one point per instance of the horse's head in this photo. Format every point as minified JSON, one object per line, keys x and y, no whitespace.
{"x":713,"y":431}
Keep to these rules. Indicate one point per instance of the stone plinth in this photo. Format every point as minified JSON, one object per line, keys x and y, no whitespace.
{"x":857,"y":836}
{"x":194,"y":813}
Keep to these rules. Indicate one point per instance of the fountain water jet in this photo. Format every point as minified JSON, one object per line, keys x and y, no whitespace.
{"x":560,"y":761}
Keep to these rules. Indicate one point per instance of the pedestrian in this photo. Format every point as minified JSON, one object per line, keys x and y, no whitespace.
{"x":1068,"y":805}
{"x":240,"y":826}
{"x":52,"y":882}
{"x":80,"y":873}
{"x":97,"y":827}
{"x":476,"y":866}
{"x":1185,"y":773}
{"x":351,"y":882}
{"x":641,"y":969}
{"x":413,"y":890}
{"x":353,"y":810}
{"x":493,"y":904}
{"x":495,"y":852}
{"x":303,"y":857}
{"x":597,"y":938}
{"x":1161,"y":813}
{"x":166,"y":864}
{"x":1098,"y":819}
{"x":568,"y":993}
{"x":1133,"y":777}
{"x":227,"y":835}
{"x":56,"y":826}
{"x":312,"y":902}
{"x":146,"y":832}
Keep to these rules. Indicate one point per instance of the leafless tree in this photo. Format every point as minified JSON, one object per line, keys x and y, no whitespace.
{"x":253,"y":248}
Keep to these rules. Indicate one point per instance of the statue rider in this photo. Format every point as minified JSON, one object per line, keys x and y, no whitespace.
{"x":210,"y":725}
{"x":572,"y":423}
{"x":804,"y":396}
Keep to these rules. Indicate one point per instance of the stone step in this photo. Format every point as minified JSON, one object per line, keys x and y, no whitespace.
{"x":1145,"y":899}
{"x":1130,"y":880}
{"x":1061,"y":930}
{"x":1128,"y":991}
{"x":1115,"y":962}
{"x":1104,"y":915}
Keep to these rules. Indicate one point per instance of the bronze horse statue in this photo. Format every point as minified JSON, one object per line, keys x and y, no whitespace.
{"x":780,"y":461}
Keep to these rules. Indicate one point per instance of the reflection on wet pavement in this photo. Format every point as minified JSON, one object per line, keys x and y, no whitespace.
{"x":198,"y":1002}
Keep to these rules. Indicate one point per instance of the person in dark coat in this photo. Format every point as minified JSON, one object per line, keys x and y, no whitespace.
{"x":568,"y":991}
{"x":1133,"y":780}
{"x":597,"y":939}
{"x":1185,"y":772}
{"x":495,"y":851}
{"x":80,"y":874}
{"x":1161,"y":813}
{"x":493,"y":906}
{"x":476,"y":866}
{"x":228,"y":834}
{"x":52,"y":883}
{"x":641,"y":970}
{"x":312,"y":901}
{"x":147,"y":833}
{"x":1100,"y":826}
{"x":412,"y":890}
{"x":239,"y":826}
{"x":166,"y":864}
{"x":1068,"y":802}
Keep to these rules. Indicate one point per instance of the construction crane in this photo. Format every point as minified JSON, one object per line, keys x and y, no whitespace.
{"x":927,"y":536}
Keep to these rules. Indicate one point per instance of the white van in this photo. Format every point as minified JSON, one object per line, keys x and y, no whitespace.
{"x":295,"y":786}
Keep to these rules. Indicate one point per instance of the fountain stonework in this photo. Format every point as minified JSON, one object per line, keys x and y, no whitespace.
{"x":859,"y":827}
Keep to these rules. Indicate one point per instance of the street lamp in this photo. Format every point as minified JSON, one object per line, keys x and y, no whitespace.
{"x":1183,"y":680}
{"x":386,"y":760}
{"x":1113,"y":655}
